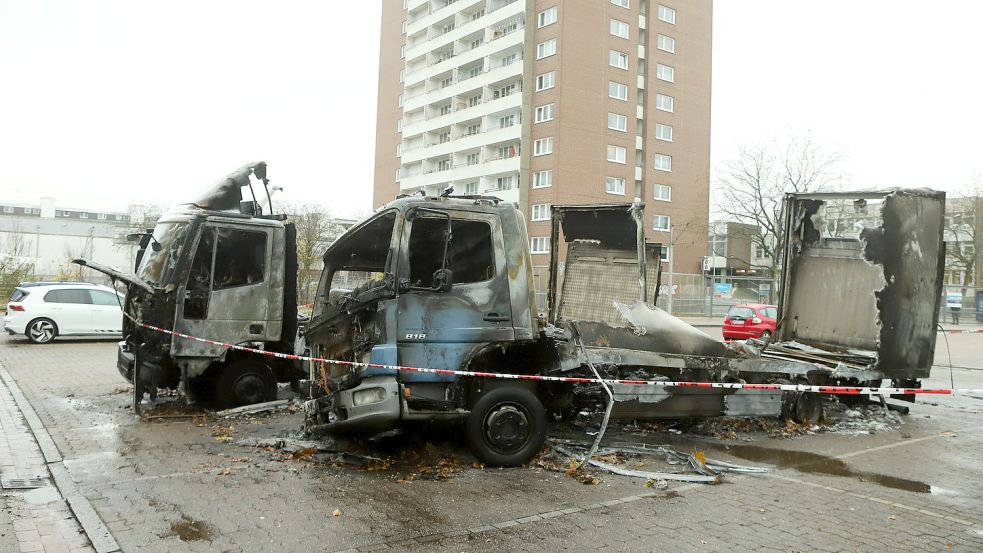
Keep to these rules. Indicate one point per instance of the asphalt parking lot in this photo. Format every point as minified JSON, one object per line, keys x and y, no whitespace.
{"x":877,"y":482}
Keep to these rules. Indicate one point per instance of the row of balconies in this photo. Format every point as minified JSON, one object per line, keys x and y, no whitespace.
{"x":459,"y":108}
{"x":464,"y":129}
{"x":436,"y":16}
{"x":464,"y":72}
{"x":449,"y":38}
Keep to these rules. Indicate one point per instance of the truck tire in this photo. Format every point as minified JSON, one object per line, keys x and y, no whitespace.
{"x":243,"y":382}
{"x":506,"y":427}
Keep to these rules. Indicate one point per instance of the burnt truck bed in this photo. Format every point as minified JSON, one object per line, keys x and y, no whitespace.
{"x":882,"y":267}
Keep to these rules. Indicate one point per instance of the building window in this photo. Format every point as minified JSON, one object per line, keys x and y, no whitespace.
{"x":506,"y":90}
{"x":664,"y":253}
{"x":120,"y":217}
{"x":546,"y":81}
{"x":8,"y":209}
{"x":507,"y":121}
{"x":543,"y":146}
{"x":619,"y":28}
{"x":663,"y":162}
{"x":663,"y":192}
{"x":667,"y":14}
{"x":474,"y":100}
{"x":444,"y":83}
{"x":663,"y":132}
{"x":614,"y":185}
{"x":399,"y":125}
{"x":660,"y":222}
{"x":477,"y":42}
{"x":663,"y":102}
{"x":505,"y":152}
{"x":402,"y":51}
{"x":101,"y":216}
{"x":667,"y":43}
{"x":618,"y":91}
{"x":622,"y":3}
{"x":471,"y":188}
{"x":617,"y":122}
{"x":509,"y":59}
{"x":64,"y":213}
{"x":544,"y":113}
{"x":664,"y":72}
{"x":444,"y":165}
{"x":473,"y":159}
{"x":542,"y":179}
{"x":397,"y":180}
{"x":444,"y":110}
{"x":477,"y":15}
{"x":400,"y":100}
{"x":617,"y":154}
{"x":444,"y":137}
{"x":546,"y":17}
{"x":540,"y":244}
{"x":473,"y":129}
{"x":402,"y":75}
{"x":619,"y":59}
{"x":546,"y":49}
{"x":541,"y":212}
{"x":399,"y":150}
{"x":503,"y":183}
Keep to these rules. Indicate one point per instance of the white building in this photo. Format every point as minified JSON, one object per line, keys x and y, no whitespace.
{"x":48,"y":237}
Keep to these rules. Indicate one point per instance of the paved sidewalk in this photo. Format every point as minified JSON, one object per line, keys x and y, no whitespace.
{"x":40,"y":517}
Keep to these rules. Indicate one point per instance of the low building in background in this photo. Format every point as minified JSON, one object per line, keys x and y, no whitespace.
{"x":38,"y":242}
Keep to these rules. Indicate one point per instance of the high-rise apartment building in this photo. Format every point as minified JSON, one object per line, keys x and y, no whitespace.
{"x":547,"y":102}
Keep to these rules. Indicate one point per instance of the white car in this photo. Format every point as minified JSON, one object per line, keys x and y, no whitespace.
{"x":42,"y":312}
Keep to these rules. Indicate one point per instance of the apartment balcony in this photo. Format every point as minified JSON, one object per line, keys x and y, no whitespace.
{"x":462,"y":28}
{"x":466,"y":142}
{"x":463,"y":57}
{"x":458,"y":88}
{"x":460,"y":114}
{"x":460,"y":173}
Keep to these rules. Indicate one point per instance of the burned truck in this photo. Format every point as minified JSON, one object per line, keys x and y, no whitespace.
{"x":217,"y":268}
{"x":446,"y":283}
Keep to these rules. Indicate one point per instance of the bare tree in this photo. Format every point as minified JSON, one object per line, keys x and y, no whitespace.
{"x":964,"y":230}
{"x":751,"y":187}
{"x":316,"y":229}
{"x":14,"y":261}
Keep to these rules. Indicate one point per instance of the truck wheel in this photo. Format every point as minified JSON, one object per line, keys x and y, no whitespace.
{"x":41,"y":331}
{"x":801,"y":407}
{"x":507,"y":426}
{"x":244,"y":382}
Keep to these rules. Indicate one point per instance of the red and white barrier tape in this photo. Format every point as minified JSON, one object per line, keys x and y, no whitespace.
{"x":974,"y":331}
{"x":845,"y":390}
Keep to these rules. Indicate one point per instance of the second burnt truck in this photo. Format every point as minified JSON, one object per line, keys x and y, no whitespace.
{"x":447,"y":283}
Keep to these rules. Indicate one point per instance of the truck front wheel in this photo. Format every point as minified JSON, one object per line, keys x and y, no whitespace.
{"x":244,"y":382}
{"x":506,"y":427}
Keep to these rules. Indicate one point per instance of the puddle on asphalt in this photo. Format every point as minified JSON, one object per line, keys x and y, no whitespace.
{"x":813,"y":463}
{"x":189,"y":529}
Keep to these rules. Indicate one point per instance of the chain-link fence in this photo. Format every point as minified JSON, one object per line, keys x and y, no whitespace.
{"x":693,"y":295}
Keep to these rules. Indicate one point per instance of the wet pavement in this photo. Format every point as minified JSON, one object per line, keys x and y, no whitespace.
{"x":185,"y":482}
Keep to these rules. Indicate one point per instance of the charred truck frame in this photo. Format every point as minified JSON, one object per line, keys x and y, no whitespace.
{"x":219,"y":268}
{"x":446,"y":283}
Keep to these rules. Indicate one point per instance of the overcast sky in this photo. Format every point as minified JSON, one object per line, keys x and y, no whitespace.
{"x":106,"y":103}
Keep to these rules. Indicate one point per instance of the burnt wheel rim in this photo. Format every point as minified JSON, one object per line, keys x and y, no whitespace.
{"x":249,"y":388}
{"x":42,"y":331}
{"x":507,"y":427}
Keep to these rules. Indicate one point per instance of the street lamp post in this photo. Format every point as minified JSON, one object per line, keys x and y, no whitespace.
{"x":671,"y":257}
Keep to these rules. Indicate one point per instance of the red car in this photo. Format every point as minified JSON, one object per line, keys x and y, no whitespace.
{"x":750,"y":320}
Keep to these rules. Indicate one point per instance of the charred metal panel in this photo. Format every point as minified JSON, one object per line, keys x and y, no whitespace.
{"x":519,"y":265}
{"x":613,"y":225}
{"x":674,"y":402}
{"x":595,"y":277}
{"x":226,"y":194}
{"x":871,"y":284}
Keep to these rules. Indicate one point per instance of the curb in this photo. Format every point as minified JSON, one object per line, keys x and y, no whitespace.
{"x":97,"y":532}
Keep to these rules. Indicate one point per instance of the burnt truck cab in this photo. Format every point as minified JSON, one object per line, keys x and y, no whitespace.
{"x":215,"y":268}
{"x":446,"y":283}
{"x":424,"y":282}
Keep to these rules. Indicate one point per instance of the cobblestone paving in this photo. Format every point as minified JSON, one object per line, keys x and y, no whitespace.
{"x":175,"y":485}
{"x":35,"y":519}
